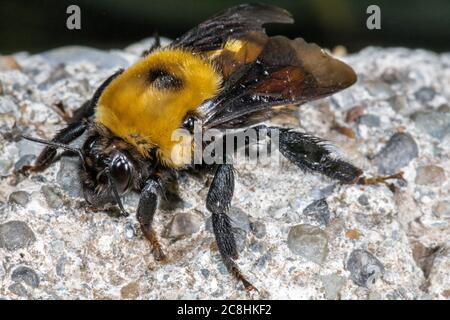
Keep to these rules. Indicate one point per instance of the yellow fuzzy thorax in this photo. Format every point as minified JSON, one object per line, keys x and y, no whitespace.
{"x":146,"y":115}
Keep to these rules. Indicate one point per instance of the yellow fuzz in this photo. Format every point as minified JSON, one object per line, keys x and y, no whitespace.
{"x":146,"y":115}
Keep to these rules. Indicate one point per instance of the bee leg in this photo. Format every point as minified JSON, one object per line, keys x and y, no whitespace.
{"x":66,"y":135}
{"x":77,"y":125}
{"x":145,"y":212}
{"x":218,"y":202}
{"x":381,"y":180}
{"x":310,"y":153}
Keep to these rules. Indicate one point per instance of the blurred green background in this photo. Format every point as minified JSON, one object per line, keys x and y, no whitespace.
{"x":39,"y":25}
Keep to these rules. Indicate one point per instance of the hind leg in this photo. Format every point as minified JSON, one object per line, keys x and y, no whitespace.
{"x":311,"y":154}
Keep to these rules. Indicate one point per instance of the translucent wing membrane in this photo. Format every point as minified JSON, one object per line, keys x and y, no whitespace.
{"x":286,"y":72}
{"x":232,"y":23}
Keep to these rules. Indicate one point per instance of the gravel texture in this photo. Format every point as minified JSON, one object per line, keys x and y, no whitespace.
{"x":300,"y":236}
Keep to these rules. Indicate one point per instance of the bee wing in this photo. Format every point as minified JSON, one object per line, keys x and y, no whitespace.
{"x":286,"y":72}
{"x":232,"y":23}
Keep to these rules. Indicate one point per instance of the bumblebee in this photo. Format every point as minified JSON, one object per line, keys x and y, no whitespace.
{"x":224,"y":73}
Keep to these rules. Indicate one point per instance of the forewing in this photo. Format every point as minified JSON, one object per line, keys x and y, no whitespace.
{"x":286,"y":72}
{"x":232,"y":23}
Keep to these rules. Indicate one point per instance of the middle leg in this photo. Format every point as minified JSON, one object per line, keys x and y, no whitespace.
{"x":218,"y":203}
{"x":148,"y":204}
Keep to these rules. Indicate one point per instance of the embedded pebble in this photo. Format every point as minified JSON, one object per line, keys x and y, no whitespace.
{"x":430,"y":174}
{"x":258,"y":228}
{"x":68,"y":176}
{"x":52,"y":196}
{"x":183,"y":224}
{"x":379,"y":89}
{"x":130,"y":231}
{"x":130,"y":291}
{"x":18,"y":289}
{"x":442,"y":209}
{"x":369,"y":120}
{"x":19,"y":197}
{"x":398,"y":152}
{"x":364,"y":268}
{"x":436,"y":124}
{"x":15,"y":235}
{"x":5,"y":167}
{"x":25,"y":160}
{"x":319,"y":210}
{"x":309,"y":242}
{"x":238,"y":218}
{"x":7,"y":105}
{"x":333,"y":284}
{"x":425,"y":94}
{"x":25,"y":275}
{"x":363,"y":200}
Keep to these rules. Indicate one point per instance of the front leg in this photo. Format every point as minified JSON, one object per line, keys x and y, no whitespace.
{"x":65,"y":136}
{"x":145,"y":212}
{"x":218,"y":202}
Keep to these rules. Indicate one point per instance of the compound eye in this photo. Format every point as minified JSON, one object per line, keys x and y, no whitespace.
{"x":189,"y":123}
{"x":121,"y":171}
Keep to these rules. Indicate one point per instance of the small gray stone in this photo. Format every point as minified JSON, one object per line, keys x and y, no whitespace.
{"x":436,"y":124}
{"x":369,"y":120}
{"x":7,"y":105}
{"x":18,"y":289}
{"x":324,"y":192}
{"x":24,"y":160}
{"x":205,"y":273}
{"x":444,"y":108}
{"x":262,"y":262}
{"x":332,"y":284}
{"x":398,"y":152}
{"x":61,"y":266}
{"x":15,"y":235}
{"x":27,"y":148}
{"x":379,"y":89}
{"x":240,"y":237}
{"x":238,"y":218}
{"x":183,"y":224}
{"x":364,"y":268}
{"x":52,"y":196}
{"x":430,"y":174}
{"x":130,"y":231}
{"x":68,"y":176}
{"x":5,"y":166}
{"x":258,"y":228}
{"x":363,"y":200}
{"x":19,"y":197}
{"x":442,"y":209}
{"x":309,"y":242}
{"x":25,"y":275}
{"x":374,"y":295}
{"x":425,"y":94}
{"x":319,"y":210}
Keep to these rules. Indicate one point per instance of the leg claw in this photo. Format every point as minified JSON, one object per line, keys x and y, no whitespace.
{"x":380,"y":179}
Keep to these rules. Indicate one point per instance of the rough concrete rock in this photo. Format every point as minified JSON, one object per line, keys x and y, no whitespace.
{"x":80,"y":254}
